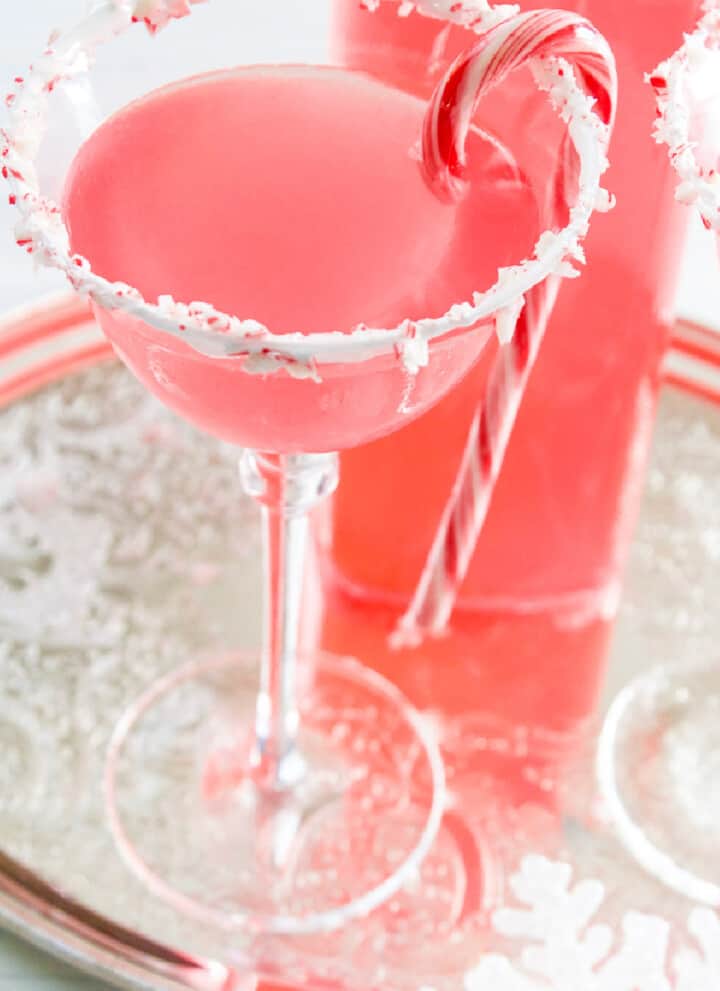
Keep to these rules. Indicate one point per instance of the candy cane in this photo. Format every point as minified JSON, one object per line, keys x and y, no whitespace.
{"x":533,"y":38}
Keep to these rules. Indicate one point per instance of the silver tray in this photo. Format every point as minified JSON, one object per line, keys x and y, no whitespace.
{"x":126,"y":547}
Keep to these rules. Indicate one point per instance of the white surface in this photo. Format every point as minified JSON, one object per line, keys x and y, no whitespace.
{"x":699,"y":291}
{"x":22,"y":968}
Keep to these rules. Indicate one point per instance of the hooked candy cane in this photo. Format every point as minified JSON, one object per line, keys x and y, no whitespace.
{"x":530,"y":38}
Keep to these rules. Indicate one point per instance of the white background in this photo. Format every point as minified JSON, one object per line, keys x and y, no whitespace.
{"x":23,"y":34}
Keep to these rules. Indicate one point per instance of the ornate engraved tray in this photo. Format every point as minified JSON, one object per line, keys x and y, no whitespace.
{"x":126,"y":547}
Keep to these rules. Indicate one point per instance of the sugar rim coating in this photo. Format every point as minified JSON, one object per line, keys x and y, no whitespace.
{"x":42,"y":233}
{"x":699,"y":186}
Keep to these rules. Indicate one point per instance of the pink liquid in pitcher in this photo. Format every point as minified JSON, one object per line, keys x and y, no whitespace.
{"x":563,"y":509}
{"x":290,"y":195}
{"x":552,"y":550}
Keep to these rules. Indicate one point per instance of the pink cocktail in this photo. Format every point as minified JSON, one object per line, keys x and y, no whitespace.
{"x":331,"y":223}
{"x":314,"y":214}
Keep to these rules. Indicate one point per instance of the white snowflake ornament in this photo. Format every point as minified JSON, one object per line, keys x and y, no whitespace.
{"x":567,"y":951}
{"x":698,"y":968}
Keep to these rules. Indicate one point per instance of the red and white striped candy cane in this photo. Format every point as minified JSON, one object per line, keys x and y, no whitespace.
{"x":525,"y":38}
{"x":510,"y":45}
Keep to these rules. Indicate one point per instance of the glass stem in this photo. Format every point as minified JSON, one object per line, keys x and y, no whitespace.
{"x":287,"y":488}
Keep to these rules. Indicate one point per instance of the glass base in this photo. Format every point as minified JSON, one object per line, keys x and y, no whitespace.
{"x":658,"y":766}
{"x":192,"y":823}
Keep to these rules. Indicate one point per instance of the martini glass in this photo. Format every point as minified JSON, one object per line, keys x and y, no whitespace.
{"x":658,"y":760}
{"x":279,"y":793}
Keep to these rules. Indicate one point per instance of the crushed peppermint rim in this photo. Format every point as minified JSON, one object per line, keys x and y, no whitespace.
{"x":699,"y":186}
{"x":42,"y":232}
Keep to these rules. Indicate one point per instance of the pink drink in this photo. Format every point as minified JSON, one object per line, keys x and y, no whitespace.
{"x":579,"y":443}
{"x":307,"y":211}
{"x":553,"y":546}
